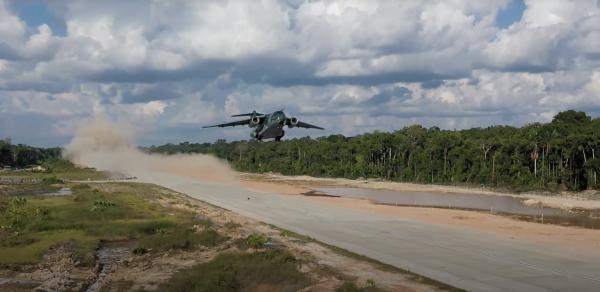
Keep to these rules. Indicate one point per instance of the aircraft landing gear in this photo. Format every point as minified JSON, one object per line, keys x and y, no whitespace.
{"x":278,"y":138}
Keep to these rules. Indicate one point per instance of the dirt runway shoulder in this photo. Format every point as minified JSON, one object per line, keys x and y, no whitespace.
{"x":545,"y":234}
{"x":463,"y":257}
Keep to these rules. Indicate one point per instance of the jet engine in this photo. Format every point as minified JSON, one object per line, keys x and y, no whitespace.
{"x":293,"y":122}
{"x":254,"y":121}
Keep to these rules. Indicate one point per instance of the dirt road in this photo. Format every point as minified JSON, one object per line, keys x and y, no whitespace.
{"x":465,"y":258}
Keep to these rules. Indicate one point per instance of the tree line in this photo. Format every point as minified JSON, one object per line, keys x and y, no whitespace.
{"x":560,"y":155}
{"x":23,"y":155}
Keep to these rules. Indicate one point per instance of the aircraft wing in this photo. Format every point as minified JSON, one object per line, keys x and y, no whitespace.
{"x":254,"y":113}
{"x":232,"y":124}
{"x":307,"y":125}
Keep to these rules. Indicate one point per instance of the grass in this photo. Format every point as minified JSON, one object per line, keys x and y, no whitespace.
{"x":254,"y":240}
{"x":64,"y":169}
{"x":272,"y":270}
{"x":287,"y":233}
{"x":181,"y":239}
{"x":60,"y":169}
{"x":34,"y":248}
{"x":91,"y":215}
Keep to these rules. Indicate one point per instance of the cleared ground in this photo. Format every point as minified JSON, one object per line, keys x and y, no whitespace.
{"x":121,"y":236}
{"x":463,"y":258}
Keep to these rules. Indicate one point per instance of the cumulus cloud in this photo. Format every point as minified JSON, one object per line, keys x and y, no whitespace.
{"x":171,"y":66}
{"x":552,"y":35}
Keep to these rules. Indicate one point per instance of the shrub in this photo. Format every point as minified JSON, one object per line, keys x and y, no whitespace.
{"x":272,"y":270}
{"x":100,"y":205}
{"x":209,"y":237}
{"x":370,"y":282}
{"x":139,"y":250}
{"x":51,"y":180}
{"x":15,"y":215}
{"x":181,"y":238}
{"x":256,"y":240}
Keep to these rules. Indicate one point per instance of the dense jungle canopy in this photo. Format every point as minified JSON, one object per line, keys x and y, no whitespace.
{"x":560,"y":155}
{"x":20,"y":155}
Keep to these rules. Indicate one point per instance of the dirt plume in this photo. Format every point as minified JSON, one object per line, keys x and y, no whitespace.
{"x":109,"y":146}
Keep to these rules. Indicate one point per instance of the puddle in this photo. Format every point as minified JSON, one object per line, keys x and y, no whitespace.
{"x":108,"y":256}
{"x":318,"y":194}
{"x":491,"y":203}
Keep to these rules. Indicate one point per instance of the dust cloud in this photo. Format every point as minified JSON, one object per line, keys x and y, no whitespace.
{"x":109,"y":146}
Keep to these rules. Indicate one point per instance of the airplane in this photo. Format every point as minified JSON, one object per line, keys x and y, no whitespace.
{"x":267,"y":126}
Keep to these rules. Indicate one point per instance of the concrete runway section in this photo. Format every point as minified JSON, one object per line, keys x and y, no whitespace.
{"x":462,"y":258}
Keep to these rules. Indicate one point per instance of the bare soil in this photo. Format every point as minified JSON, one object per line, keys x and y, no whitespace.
{"x":564,"y":200}
{"x":328,"y":268}
{"x":480,"y":221}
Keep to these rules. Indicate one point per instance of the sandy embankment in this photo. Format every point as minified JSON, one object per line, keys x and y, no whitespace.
{"x":564,"y":200}
{"x":479,"y":221}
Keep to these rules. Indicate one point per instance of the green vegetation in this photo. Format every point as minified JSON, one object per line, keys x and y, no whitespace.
{"x":31,"y":225}
{"x":180,"y":239}
{"x":553,"y":156}
{"x":64,"y":169}
{"x":271,"y":270}
{"x":29,"y":249}
{"x":254,"y":240}
{"x":23,"y":155}
{"x":257,"y":240}
{"x":56,"y":170}
{"x":287,"y":233}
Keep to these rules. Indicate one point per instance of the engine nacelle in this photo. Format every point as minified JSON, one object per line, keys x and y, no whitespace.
{"x":293,"y":122}
{"x":254,"y":121}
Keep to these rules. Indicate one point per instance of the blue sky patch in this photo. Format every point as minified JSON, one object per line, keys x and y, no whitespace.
{"x":510,"y":14}
{"x":36,"y":13}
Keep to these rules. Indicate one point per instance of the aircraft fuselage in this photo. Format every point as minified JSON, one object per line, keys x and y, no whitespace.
{"x":270,"y":128}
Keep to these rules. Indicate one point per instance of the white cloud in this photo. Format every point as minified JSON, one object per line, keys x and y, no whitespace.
{"x":41,"y":45}
{"x":352,"y":66}
{"x":12,"y":29}
{"x":593,"y":86}
{"x":551,"y":35}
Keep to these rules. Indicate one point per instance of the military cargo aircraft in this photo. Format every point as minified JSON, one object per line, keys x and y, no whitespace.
{"x":267,"y":126}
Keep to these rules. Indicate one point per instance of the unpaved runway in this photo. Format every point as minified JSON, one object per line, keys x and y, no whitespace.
{"x":463,"y":258}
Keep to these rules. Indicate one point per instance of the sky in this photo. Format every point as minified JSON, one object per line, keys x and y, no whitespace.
{"x":170,"y":67}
